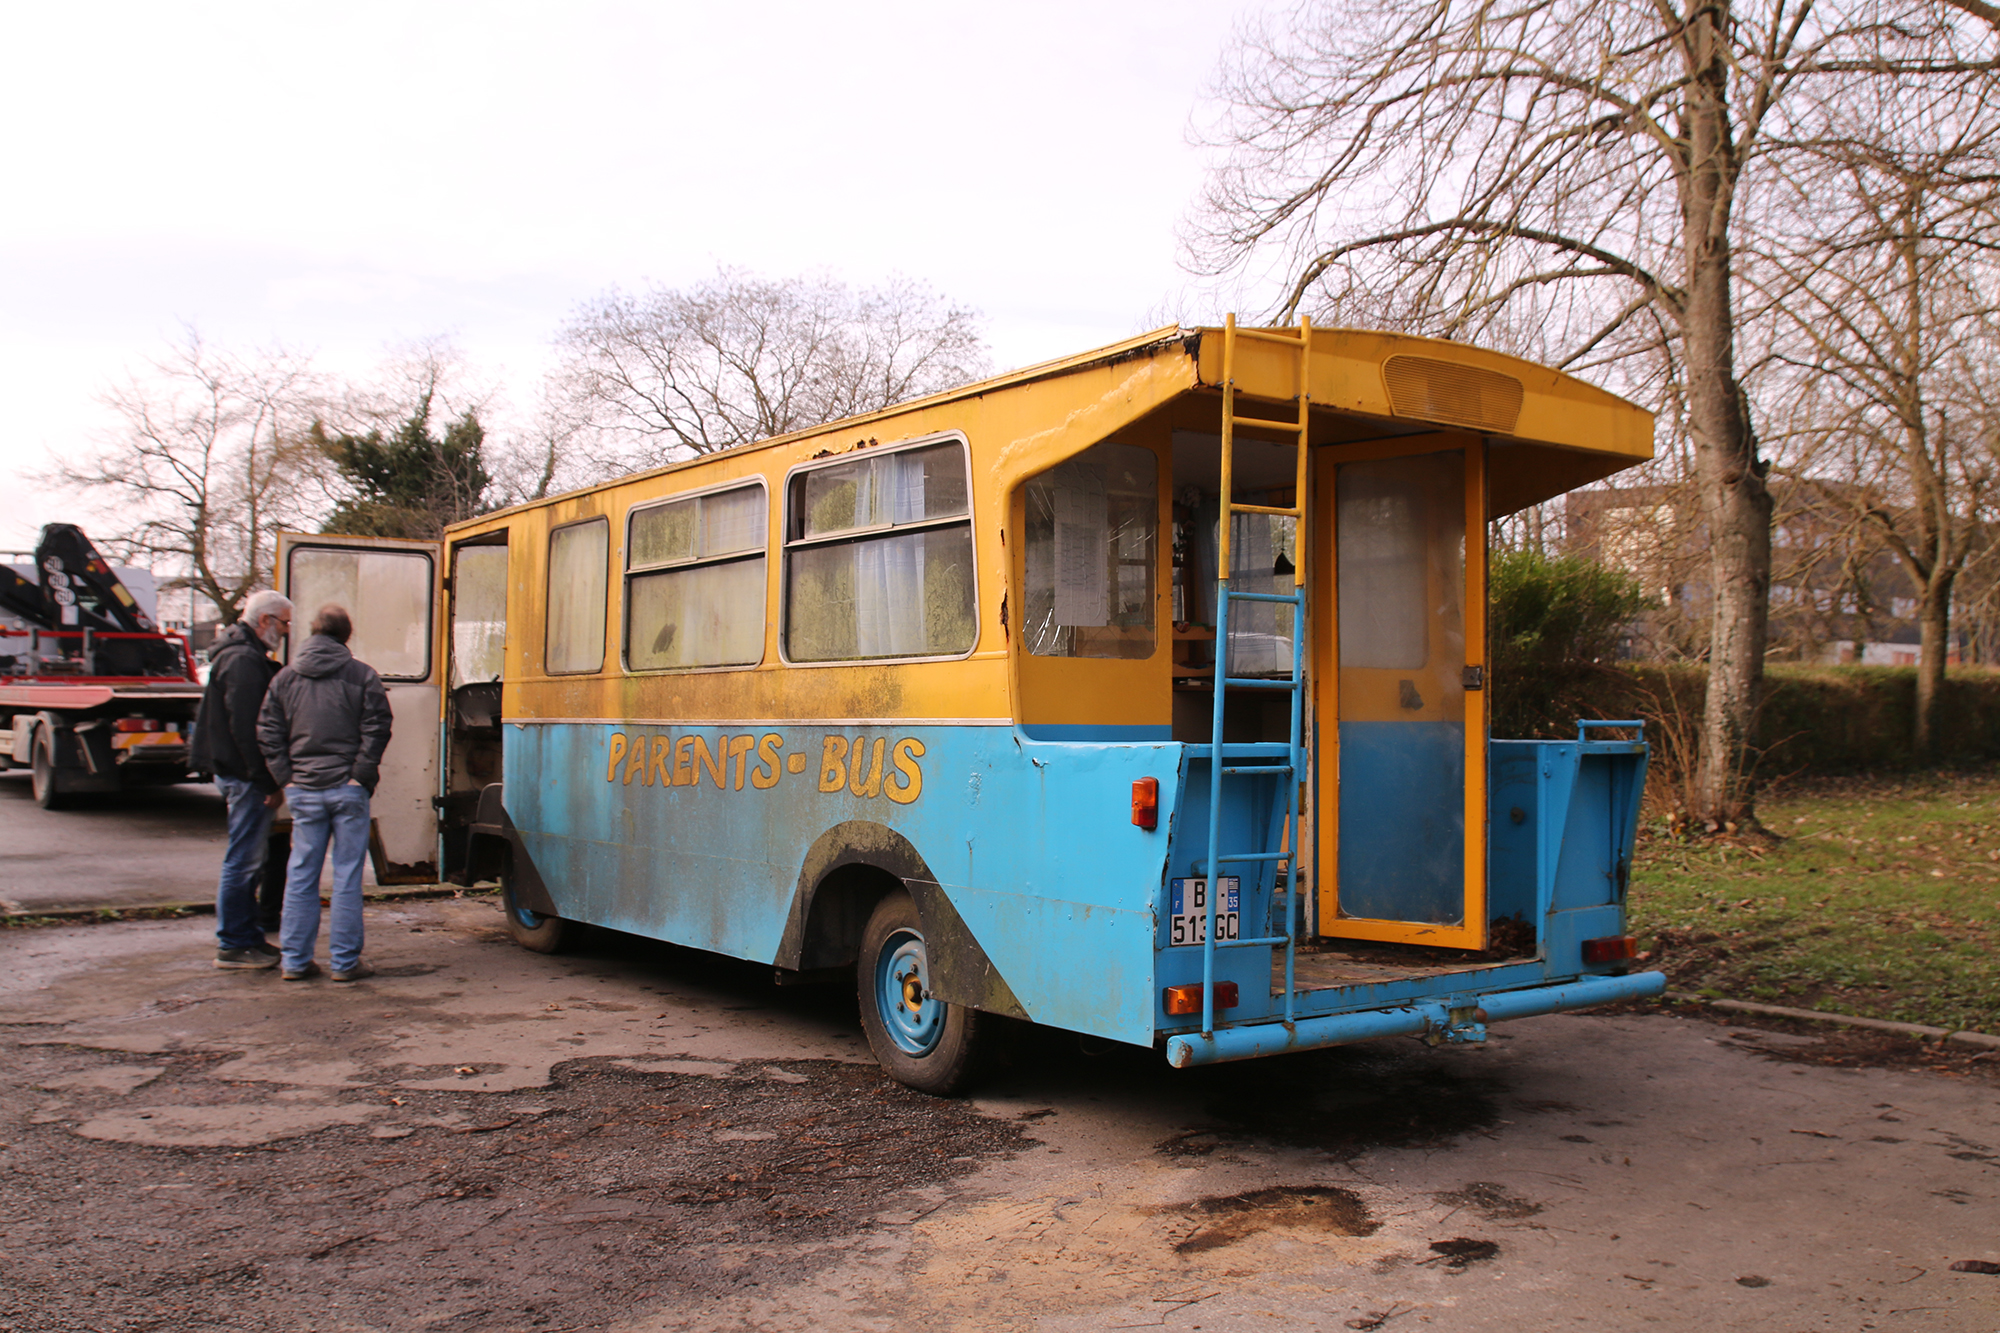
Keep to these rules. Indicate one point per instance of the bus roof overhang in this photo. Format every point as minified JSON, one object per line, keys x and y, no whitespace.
{"x":1551,"y":432}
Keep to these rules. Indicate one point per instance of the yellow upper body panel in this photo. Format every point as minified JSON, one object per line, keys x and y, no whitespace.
{"x":1551,"y":433}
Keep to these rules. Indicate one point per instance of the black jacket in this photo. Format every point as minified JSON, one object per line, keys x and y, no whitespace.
{"x":325,"y":719}
{"x":225,"y":730}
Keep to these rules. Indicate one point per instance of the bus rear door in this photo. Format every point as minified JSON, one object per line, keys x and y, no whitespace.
{"x":1400,"y":703}
{"x":387,"y":585}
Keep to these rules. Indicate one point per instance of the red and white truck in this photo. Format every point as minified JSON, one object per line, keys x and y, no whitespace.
{"x":94,"y":696}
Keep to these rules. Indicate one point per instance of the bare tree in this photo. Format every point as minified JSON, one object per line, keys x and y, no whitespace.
{"x":740,"y":358}
{"x":1572,"y":175}
{"x":1895,"y":326}
{"x":210,"y":463}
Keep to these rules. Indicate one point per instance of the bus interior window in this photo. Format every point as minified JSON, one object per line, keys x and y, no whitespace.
{"x":1263,"y":555}
{"x":1093,"y":528}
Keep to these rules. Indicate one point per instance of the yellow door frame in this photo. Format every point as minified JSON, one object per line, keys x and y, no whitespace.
{"x":1471,"y":931}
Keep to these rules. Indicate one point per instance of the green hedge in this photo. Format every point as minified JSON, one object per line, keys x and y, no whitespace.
{"x":1814,"y":719}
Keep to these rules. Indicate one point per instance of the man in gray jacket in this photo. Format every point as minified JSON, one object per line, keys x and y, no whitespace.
{"x":324,"y":726}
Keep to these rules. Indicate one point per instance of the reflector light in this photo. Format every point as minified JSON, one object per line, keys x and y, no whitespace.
{"x":1187,"y":999}
{"x":138,"y":724}
{"x":1611,"y":949}
{"x":1146,"y":802}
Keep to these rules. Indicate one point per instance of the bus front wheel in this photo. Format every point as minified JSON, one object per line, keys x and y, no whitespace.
{"x":923,"y":1042}
{"x":530,"y":929}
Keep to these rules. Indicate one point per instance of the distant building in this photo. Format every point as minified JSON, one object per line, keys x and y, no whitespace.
{"x":1838,"y":594}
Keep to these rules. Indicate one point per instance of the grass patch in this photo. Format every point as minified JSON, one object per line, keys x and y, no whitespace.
{"x":1883,"y":901}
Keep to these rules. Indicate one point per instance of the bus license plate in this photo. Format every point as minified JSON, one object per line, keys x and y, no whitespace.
{"x":1188,"y":910}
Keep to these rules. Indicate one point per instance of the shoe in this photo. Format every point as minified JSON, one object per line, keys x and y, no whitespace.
{"x":306,"y":973}
{"x":355,"y":973}
{"x":253,"y":957}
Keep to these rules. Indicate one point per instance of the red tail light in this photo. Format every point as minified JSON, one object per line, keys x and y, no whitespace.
{"x":1146,"y":802}
{"x":138,"y":724}
{"x":1611,"y":949}
{"x":1187,"y":999}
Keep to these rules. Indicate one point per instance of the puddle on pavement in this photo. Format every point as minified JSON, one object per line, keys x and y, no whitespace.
{"x":1227,"y":1218}
{"x":1491,"y":1201}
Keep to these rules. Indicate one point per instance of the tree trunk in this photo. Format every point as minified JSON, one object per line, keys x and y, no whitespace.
{"x":1734,"y":500}
{"x":1933,"y":646}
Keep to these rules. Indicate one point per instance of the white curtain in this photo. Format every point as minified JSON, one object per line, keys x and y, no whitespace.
{"x":889,"y":573}
{"x":577,"y":579}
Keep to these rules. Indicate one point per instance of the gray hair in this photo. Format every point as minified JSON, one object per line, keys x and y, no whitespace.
{"x":264,"y":603}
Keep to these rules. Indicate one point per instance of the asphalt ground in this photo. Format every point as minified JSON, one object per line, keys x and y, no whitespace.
{"x":637,"y":1138}
{"x":149,"y":848}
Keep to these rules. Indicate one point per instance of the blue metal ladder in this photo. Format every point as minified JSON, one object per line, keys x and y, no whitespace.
{"x":1255,"y":759}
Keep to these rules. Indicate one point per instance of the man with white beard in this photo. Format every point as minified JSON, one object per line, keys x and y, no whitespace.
{"x":225,"y":744}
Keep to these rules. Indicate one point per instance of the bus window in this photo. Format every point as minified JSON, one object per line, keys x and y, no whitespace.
{"x":694,"y":586}
{"x":478,"y":615}
{"x":879,"y":558}
{"x":1093,"y":526}
{"x":386,"y":592}
{"x":577,"y":573}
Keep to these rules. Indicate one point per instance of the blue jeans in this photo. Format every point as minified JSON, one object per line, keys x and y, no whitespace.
{"x":321,"y":815}
{"x":242,"y":865}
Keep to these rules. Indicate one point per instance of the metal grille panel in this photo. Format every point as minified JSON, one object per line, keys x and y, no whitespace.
{"x":1457,"y":395}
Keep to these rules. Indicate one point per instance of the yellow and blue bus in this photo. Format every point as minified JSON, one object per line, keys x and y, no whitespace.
{"x":1139,"y":694}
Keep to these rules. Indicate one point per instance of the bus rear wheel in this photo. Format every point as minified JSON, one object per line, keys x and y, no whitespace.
{"x":923,"y":1042}
{"x":530,"y":929}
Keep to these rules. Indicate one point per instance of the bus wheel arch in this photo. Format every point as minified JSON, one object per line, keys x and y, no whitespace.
{"x":532,"y":929}
{"x":845,"y":875}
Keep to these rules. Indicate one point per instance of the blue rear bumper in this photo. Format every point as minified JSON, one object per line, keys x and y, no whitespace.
{"x":1450,"y":1018}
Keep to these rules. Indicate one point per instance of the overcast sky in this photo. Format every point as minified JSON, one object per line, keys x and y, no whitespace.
{"x":343,"y":178}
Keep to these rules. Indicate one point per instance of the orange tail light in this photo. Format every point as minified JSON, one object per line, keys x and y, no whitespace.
{"x":1146,"y":802}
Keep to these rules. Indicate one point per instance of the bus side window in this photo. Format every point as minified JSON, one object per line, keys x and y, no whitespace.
{"x":578,"y":558}
{"x":478,"y":615}
{"x":878,"y":557}
{"x":694,"y":583}
{"x":1093,"y":531}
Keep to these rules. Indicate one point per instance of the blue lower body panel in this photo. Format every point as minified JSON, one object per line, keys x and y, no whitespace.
{"x":1444,"y":1016}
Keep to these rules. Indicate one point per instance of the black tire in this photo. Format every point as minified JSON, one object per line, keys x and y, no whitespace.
{"x":530,"y":929}
{"x":923,"y":1042}
{"x":44,"y":779}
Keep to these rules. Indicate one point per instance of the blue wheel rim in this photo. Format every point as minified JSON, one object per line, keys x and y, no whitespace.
{"x":913,"y":1020}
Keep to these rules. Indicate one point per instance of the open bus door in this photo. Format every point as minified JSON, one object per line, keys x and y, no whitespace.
{"x":1399,"y":697}
{"x":387,"y":586}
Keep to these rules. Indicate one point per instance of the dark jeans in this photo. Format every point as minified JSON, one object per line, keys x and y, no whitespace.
{"x":242,"y":865}
{"x":271,"y":894}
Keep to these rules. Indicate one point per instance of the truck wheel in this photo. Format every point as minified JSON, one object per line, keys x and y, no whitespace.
{"x":530,"y":929}
{"x":43,"y":779}
{"x":923,"y":1042}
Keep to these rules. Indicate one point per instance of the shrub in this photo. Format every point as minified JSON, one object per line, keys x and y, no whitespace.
{"x":1554,"y":624}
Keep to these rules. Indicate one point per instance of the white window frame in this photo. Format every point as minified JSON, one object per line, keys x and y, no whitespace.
{"x":698,"y":562}
{"x":848,"y":535}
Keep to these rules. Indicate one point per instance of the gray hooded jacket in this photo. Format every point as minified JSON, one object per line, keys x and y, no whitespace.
{"x":325,"y":719}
